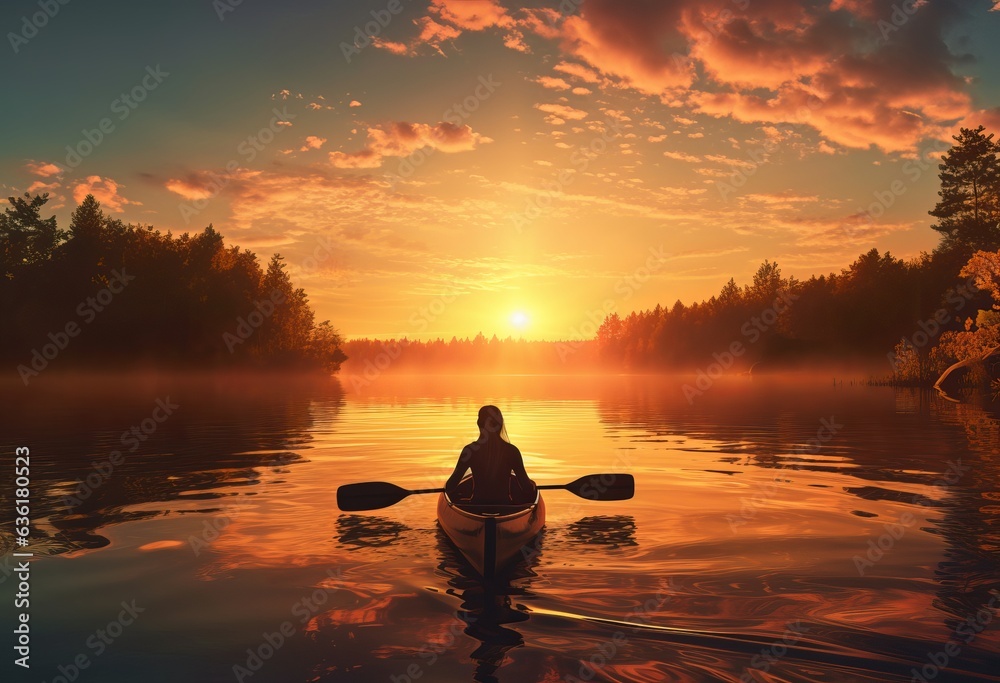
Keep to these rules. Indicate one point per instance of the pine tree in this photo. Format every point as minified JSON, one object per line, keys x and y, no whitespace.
{"x":26,"y":237}
{"x":731,"y":295}
{"x":767,"y":282}
{"x":968,"y":212}
{"x":88,"y":220}
{"x":290,"y":327}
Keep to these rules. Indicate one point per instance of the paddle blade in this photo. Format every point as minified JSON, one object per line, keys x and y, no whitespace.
{"x":604,"y":486}
{"x":371,"y":495}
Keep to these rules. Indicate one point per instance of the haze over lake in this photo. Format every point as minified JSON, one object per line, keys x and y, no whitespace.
{"x":845,"y":532}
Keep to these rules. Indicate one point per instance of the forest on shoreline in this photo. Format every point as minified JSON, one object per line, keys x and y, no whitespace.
{"x":912,"y":318}
{"x":106,"y":295}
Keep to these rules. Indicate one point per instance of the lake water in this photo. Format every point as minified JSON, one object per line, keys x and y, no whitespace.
{"x":780,"y":531}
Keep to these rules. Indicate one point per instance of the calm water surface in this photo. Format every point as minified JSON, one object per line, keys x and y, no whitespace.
{"x":781,"y":531}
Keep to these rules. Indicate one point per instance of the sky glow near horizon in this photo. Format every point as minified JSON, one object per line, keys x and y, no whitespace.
{"x":480,"y":166}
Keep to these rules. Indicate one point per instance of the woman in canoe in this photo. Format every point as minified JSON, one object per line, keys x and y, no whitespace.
{"x":492,"y":459}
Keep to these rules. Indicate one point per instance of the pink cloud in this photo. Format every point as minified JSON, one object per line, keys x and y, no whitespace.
{"x":552,"y":83}
{"x":775,"y":57}
{"x":40,"y":187}
{"x":188,"y":189}
{"x":472,"y":15}
{"x":578,"y":71}
{"x":628,"y":41}
{"x":365,"y":158}
{"x":681,"y":156}
{"x":312,"y":142}
{"x":392,"y":46}
{"x":400,"y":139}
{"x":852,"y":119}
{"x":540,"y":21}
{"x":562,"y":111}
{"x":448,"y":19}
{"x":780,"y":198}
{"x":981,"y":117}
{"x":432,"y":33}
{"x":105,"y":190}
{"x":207,"y":184}
{"x":354,"y":103}
{"x":829,"y":66}
{"x":44,"y":169}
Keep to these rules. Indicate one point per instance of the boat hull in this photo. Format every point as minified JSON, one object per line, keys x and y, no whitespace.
{"x":492,"y":541}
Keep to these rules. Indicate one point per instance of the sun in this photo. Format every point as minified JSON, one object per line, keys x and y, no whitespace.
{"x":519,"y":319}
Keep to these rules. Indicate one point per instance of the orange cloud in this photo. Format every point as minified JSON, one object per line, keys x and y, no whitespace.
{"x":578,"y":71}
{"x":40,"y":187}
{"x":833,"y":66}
{"x":828,"y":66}
{"x":400,"y":139}
{"x":452,"y":18}
{"x":627,"y":42}
{"x":189,"y":189}
{"x":433,"y":33}
{"x":45,"y":169}
{"x":562,"y":111}
{"x":312,"y":142}
{"x":392,"y":46}
{"x":207,"y":184}
{"x":552,"y":83}
{"x":681,"y":156}
{"x":105,"y":190}
{"x":472,"y":15}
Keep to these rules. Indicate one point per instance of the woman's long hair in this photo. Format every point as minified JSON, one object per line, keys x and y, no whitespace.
{"x":491,"y":424}
{"x":491,"y":427}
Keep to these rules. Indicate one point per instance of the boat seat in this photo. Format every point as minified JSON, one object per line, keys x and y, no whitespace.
{"x":492,"y":509}
{"x":464,"y":495}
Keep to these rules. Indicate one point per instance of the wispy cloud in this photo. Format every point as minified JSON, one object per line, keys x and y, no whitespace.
{"x":400,"y":139}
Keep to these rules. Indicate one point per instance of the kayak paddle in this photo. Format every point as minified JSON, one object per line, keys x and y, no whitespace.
{"x":375,"y":495}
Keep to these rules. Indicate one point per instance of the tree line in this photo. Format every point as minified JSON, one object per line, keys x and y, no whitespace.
{"x":920,"y":315}
{"x":911,"y":317}
{"x":106,"y":294}
{"x":371,"y":357}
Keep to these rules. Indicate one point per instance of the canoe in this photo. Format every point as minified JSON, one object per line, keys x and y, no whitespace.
{"x":491,"y":537}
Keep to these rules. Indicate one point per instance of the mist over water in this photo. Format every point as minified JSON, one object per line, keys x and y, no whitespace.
{"x":783,"y":528}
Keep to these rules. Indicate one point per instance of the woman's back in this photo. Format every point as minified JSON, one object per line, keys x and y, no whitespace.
{"x":492,"y":459}
{"x":491,"y":464}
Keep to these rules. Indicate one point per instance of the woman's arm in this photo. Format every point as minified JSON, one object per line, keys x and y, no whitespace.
{"x":461,"y":467}
{"x":526,"y":485}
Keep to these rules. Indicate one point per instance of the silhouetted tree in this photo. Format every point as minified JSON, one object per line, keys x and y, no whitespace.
{"x":289,"y":327}
{"x":968,"y":212}
{"x":88,"y":220}
{"x":187,"y":300}
{"x":324,"y":347}
{"x":767,"y":282}
{"x":25,"y":237}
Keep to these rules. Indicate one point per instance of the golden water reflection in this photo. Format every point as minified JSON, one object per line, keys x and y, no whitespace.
{"x":751,"y":518}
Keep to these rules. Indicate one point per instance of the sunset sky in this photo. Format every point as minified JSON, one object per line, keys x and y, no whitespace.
{"x":481,"y":166}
